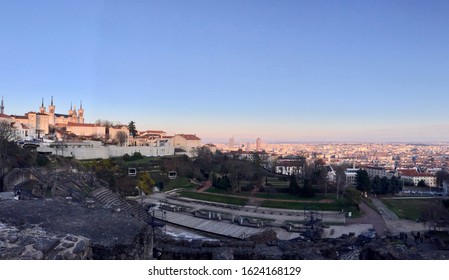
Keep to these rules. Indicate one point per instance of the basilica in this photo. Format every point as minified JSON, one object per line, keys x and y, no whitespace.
{"x":40,"y":123}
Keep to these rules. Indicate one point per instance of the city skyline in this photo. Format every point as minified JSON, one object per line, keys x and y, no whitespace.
{"x":291,"y":71}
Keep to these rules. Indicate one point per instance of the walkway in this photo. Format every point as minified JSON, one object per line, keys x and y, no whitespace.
{"x":393,"y":223}
{"x":226,"y":228}
{"x":370,"y":216}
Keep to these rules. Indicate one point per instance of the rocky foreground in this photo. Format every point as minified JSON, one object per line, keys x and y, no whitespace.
{"x":266,"y":246}
{"x":55,"y":229}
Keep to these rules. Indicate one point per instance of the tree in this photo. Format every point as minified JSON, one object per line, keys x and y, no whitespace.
{"x":319,"y":175}
{"x":377,"y":185}
{"x":236,"y":171}
{"x":442,"y":176}
{"x":60,"y":142}
{"x":121,"y":137}
{"x":436,"y":215}
{"x":340,"y":178}
{"x":132,"y":128}
{"x":353,"y":196}
{"x":106,"y":169}
{"x":385,"y":185}
{"x":396,"y":185}
{"x":7,"y":134}
{"x":258,"y":163}
{"x":145,"y":182}
{"x":307,"y":190}
{"x":422,"y":184}
{"x":204,"y":160}
{"x":363,"y":182}
{"x":294,"y":187}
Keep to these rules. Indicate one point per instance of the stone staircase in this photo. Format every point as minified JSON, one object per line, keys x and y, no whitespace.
{"x":109,"y":199}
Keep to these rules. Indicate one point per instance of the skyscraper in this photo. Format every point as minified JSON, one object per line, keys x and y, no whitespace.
{"x":231,"y":143}
{"x":258,"y":145}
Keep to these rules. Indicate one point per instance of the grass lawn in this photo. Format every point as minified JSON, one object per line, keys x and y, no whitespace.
{"x":410,"y":209}
{"x":215,"y":198}
{"x":225,"y":192}
{"x":288,"y":196}
{"x":334,"y":206}
{"x":180,"y":182}
{"x":275,"y":182}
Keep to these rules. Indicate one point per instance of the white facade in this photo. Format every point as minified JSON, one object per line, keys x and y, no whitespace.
{"x":429,"y":179}
{"x":93,"y":150}
{"x":351,"y":174}
{"x":187,"y":142}
{"x":376,"y":171}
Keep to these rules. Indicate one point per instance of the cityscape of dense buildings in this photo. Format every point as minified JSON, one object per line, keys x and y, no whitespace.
{"x":412,"y":162}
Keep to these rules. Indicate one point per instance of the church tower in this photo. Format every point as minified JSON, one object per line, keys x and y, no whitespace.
{"x":81,"y":113}
{"x":70,"y":113}
{"x":51,"y":110}
{"x":2,"y":107}
{"x":42,"y":108}
{"x":75,"y":115}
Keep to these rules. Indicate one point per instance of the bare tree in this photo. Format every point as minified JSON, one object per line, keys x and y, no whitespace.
{"x":237,"y":170}
{"x":121,"y":137}
{"x":60,"y":143}
{"x":340,"y":178}
{"x":7,"y":134}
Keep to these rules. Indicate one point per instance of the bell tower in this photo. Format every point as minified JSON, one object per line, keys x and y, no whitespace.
{"x":81,"y":113}
{"x":42,"y":108}
{"x":51,"y":111}
{"x":2,"y":107}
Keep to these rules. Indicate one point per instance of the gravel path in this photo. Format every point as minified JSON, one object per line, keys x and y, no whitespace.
{"x":384,"y":210}
{"x":370,"y":216}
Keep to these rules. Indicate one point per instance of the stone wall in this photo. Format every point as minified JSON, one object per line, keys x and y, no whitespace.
{"x":34,"y":243}
{"x":16,"y":177}
{"x":54,"y":229}
{"x":104,"y":152}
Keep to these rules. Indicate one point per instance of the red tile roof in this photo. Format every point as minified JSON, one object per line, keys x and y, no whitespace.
{"x":414,"y":173}
{"x":83,"y":124}
{"x":189,"y":137}
{"x":21,"y":117}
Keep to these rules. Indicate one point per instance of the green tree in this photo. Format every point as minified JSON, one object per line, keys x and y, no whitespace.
{"x":257,"y":165}
{"x":386,"y":185}
{"x":204,"y":160}
{"x":307,"y":190}
{"x":422,"y":184}
{"x":294,"y":187}
{"x":363,"y":182}
{"x":377,"y":185}
{"x":396,"y":185}
{"x":106,"y":170}
{"x":353,"y":196}
{"x":145,"y":182}
{"x":132,"y":128}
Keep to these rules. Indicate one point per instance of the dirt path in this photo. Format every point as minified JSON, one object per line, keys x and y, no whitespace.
{"x":370,"y":216}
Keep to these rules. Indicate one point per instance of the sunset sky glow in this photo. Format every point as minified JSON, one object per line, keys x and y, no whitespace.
{"x":279,"y":70}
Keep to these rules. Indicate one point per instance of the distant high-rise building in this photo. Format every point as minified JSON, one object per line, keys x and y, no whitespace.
{"x":231,"y":142}
{"x":2,"y":107}
{"x":259,"y":144}
{"x":248,"y":146}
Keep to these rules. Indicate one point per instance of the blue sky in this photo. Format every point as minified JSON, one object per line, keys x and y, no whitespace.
{"x":278,"y":70}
